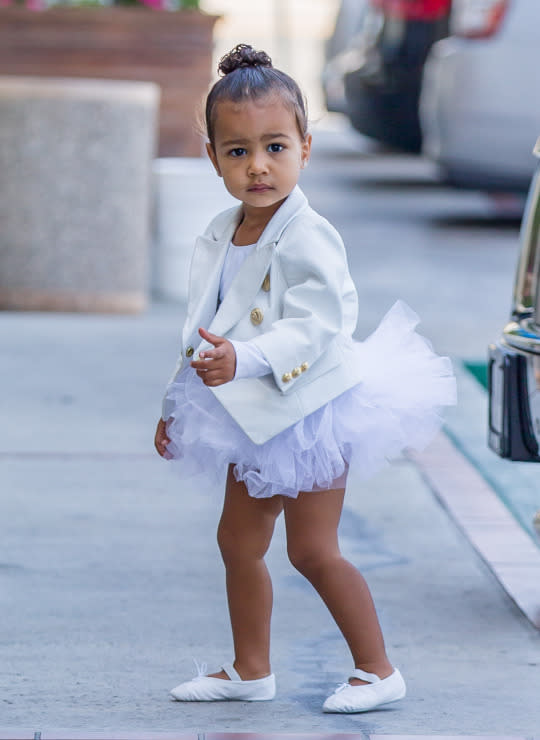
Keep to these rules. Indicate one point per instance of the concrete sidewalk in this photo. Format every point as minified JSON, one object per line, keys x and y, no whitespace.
{"x":111,"y":580}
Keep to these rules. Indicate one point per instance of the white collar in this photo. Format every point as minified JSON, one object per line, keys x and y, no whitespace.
{"x":225,"y":224}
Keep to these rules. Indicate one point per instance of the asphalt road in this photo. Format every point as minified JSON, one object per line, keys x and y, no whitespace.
{"x":110,"y":580}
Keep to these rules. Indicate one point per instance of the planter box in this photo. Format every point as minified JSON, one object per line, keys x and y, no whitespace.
{"x":170,"y":48}
{"x":75,"y":186}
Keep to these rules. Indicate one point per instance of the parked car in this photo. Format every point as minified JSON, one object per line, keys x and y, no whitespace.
{"x":514,"y":361}
{"x":381,"y":69}
{"x":479,"y":106}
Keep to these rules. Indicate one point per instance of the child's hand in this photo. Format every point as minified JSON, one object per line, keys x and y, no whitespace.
{"x":216,"y":366}
{"x":161,"y":440}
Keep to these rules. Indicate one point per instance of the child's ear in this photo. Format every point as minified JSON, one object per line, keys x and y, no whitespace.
{"x":212,"y":154}
{"x":306,"y":150}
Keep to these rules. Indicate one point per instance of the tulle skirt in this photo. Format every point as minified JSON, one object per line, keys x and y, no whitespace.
{"x":396,"y":407}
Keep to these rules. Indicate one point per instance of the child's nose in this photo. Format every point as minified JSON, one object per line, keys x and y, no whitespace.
{"x":258,"y":163}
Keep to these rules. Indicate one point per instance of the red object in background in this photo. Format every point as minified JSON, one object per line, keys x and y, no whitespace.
{"x":418,"y":10}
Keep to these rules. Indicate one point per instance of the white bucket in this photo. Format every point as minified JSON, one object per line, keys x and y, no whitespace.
{"x":188,"y":194}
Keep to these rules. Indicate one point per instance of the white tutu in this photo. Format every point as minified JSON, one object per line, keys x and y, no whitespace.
{"x":395,"y":407}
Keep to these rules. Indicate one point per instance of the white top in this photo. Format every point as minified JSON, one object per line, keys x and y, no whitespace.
{"x":234,"y":259}
{"x":250,"y":361}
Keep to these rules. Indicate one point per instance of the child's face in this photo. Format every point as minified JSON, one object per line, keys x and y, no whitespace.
{"x":258,"y":150}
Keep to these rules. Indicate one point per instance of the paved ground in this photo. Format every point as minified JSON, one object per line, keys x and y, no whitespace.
{"x":110,"y":580}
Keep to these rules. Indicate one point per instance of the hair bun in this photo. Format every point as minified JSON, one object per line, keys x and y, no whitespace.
{"x":243,"y":55}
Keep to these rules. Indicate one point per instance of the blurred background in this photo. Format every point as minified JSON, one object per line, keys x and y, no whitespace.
{"x":425,"y":115}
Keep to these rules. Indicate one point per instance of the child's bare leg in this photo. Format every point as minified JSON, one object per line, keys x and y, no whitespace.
{"x":244,"y":535}
{"x":312,"y":521}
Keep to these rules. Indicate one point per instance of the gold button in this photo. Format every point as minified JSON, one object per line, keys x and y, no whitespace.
{"x":296,"y":372}
{"x":304,"y":366}
{"x":286,"y":377}
{"x":256,"y":316}
{"x":189,"y":352}
{"x":266,"y":283}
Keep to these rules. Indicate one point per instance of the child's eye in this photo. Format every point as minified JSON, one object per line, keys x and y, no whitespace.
{"x":275,"y":148}
{"x":238,"y":152}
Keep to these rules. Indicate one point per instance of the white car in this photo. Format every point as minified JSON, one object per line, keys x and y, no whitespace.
{"x":480,"y":101}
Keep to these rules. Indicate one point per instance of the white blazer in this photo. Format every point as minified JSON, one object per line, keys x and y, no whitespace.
{"x":294,"y":298}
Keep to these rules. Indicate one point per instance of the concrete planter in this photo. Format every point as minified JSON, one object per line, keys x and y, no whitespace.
{"x":75,"y":185}
{"x":172,"y":49}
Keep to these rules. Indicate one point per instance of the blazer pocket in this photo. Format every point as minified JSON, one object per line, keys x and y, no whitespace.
{"x":258,"y":407}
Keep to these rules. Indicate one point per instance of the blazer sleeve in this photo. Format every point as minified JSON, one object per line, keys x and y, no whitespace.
{"x":313,"y":263}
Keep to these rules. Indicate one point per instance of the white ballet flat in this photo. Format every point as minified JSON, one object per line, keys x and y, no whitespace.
{"x":363,"y":697}
{"x":207,"y":688}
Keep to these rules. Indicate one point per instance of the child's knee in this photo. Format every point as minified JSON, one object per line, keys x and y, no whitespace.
{"x":238,"y":545}
{"x":310,"y":561}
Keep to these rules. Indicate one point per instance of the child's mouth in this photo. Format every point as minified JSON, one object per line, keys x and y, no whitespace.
{"x":259,"y":188}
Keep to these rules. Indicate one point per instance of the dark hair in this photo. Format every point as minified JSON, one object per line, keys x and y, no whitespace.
{"x":247,"y":74}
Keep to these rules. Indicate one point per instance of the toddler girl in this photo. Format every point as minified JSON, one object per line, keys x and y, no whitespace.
{"x":271,"y":387}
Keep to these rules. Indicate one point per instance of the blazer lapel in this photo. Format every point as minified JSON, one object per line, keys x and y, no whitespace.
{"x":205,"y":272}
{"x":244,"y":288}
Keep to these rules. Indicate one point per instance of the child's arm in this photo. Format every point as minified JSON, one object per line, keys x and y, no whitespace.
{"x":161,"y":440}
